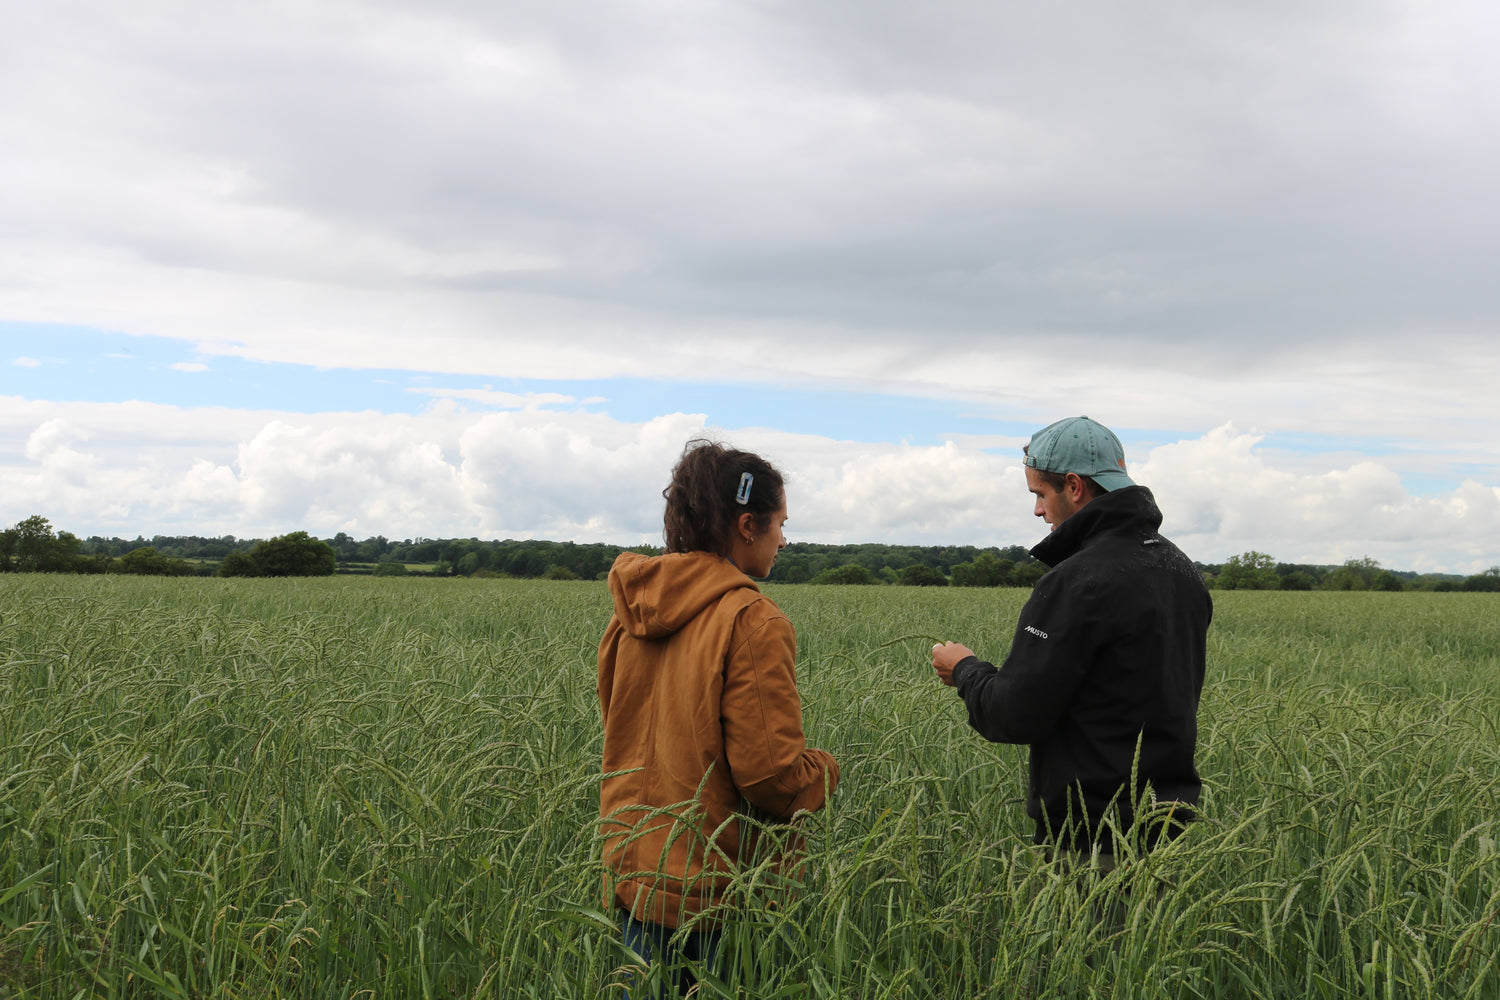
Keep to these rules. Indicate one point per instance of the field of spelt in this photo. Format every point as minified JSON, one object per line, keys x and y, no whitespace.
{"x":387,"y":788}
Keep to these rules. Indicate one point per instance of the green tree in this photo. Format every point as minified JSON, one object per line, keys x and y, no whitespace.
{"x":371,"y":549}
{"x":148,"y":562}
{"x":296,"y":554}
{"x":238,"y":563}
{"x":1297,"y":580}
{"x":1486,"y":582}
{"x":559,"y":573}
{"x":389,"y":568}
{"x":984,"y":571}
{"x":1027,"y":574}
{"x":1355,"y":574}
{"x":1248,"y":571}
{"x":791,"y":574}
{"x":923,"y":576}
{"x":31,"y":547}
{"x":455,"y":550}
{"x":849,"y":573}
{"x":99,"y":562}
{"x":344,"y":546}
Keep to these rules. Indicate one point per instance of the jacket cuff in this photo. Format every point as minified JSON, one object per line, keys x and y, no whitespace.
{"x":962,"y":668}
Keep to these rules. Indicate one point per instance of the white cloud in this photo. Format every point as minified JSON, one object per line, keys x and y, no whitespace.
{"x":563,"y":474}
{"x":1222,"y":497}
{"x":52,"y":437}
{"x":499,"y":400}
{"x":188,"y":366}
{"x":24,"y":362}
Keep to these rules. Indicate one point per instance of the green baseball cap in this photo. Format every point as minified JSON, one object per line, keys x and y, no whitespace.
{"x":1081,"y":445}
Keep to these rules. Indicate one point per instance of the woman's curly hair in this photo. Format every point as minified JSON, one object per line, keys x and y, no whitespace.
{"x":701,"y":504}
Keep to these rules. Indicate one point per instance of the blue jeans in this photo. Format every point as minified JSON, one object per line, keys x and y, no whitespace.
{"x":680,"y":958}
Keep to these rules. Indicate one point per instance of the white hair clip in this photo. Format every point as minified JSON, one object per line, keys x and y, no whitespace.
{"x":743,"y":496}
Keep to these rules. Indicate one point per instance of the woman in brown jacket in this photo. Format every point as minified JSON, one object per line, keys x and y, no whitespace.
{"x":698,"y":693}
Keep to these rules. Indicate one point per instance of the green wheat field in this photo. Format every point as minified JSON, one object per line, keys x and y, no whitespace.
{"x":388,"y":788}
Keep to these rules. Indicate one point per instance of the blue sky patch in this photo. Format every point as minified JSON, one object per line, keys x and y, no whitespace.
{"x":77,"y":364}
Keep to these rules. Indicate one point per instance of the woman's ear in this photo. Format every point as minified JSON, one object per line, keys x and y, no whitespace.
{"x":745,"y":525}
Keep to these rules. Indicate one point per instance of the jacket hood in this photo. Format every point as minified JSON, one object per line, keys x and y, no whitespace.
{"x":655,"y":596}
{"x":1133,"y":507}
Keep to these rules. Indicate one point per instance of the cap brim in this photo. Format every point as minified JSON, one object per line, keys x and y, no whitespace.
{"x":1111,"y":480}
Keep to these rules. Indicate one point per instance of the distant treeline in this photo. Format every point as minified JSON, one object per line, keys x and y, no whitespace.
{"x":32,"y":546}
{"x":799,"y":563}
{"x":1258,"y":571}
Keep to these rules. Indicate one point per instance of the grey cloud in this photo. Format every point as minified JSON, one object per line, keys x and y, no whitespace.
{"x":1221,"y":184}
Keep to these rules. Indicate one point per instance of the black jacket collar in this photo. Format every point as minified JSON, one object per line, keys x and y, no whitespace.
{"x":1132,"y":507}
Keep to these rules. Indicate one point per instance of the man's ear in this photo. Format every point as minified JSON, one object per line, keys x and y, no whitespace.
{"x":1073,"y":483}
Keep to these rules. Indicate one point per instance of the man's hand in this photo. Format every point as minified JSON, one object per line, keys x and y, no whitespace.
{"x":945,"y":656}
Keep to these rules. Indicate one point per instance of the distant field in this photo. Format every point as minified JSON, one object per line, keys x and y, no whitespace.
{"x":369,"y":567}
{"x":386,"y":788}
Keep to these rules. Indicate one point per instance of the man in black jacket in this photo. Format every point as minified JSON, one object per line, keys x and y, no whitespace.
{"x":1107,"y":662}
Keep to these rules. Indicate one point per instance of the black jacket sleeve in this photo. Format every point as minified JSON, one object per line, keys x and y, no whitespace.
{"x":1022,"y":700}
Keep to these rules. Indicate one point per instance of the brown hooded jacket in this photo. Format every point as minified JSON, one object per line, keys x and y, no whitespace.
{"x":698,"y":692}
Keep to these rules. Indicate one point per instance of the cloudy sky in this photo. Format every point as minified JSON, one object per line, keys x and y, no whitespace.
{"x":462,"y":268}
